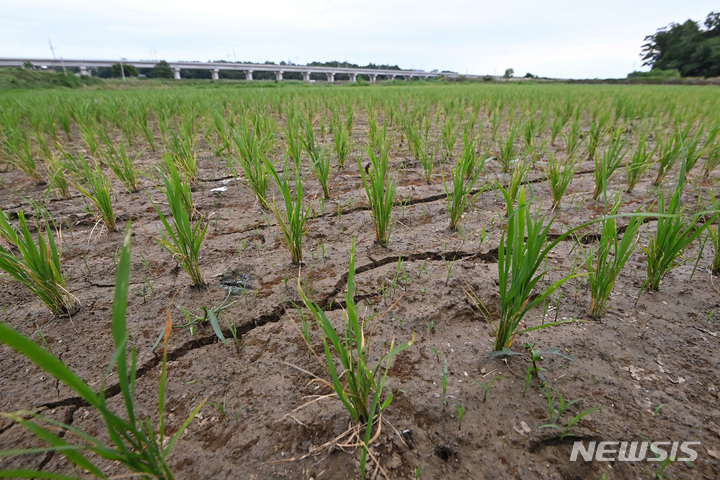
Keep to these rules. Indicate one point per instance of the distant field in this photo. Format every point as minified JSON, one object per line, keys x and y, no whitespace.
{"x":461,"y":200}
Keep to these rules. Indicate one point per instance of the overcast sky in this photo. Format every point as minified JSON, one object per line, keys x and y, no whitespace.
{"x":554,"y":38}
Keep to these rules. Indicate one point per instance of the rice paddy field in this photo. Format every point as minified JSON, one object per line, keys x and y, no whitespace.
{"x":387,"y":281}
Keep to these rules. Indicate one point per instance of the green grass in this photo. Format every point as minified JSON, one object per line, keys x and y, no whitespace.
{"x":131,"y":441}
{"x":38,"y":264}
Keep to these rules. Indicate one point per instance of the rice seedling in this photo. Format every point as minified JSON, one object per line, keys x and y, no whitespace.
{"x":252,"y":160}
{"x":520,"y":170}
{"x":715,"y":240}
{"x":522,"y":251}
{"x":574,"y":138}
{"x":359,"y":387}
{"x":319,"y":159}
{"x":38,"y":265}
{"x":669,"y":152}
{"x":380,"y":190}
{"x":507,"y":152}
{"x":341,"y":138}
{"x":459,"y":196}
{"x":559,"y":174}
{"x":713,"y":159}
{"x":639,"y":163}
{"x":130,"y":441}
{"x":427,"y":154}
{"x":610,"y":257}
{"x":675,"y":232}
{"x":22,"y":155}
{"x":96,"y":187}
{"x":293,"y":219}
{"x":183,"y":150}
{"x":123,"y":166}
{"x":57,"y":178}
{"x":449,"y":133}
{"x":182,"y":239}
{"x":606,"y":165}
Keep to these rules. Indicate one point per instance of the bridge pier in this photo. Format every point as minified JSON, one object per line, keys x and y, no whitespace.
{"x":84,"y":71}
{"x":306,"y":76}
{"x":353,"y":77}
{"x":373,"y":77}
{"x":248,"y":75}
{"x":330,"y":76}
{"x":215,"y":72}
{"x":176,"y":73}
{"x":278,"y":75}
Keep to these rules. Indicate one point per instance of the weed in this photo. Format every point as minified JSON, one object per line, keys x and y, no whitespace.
{"x":486,"y":388}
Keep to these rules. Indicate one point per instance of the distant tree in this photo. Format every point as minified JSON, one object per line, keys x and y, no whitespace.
{"x":688,"y":48}
{"x":162,"y":70}
{"x":28,"y":65}
{"x":130,"y":70}
{"x":509,"y":73}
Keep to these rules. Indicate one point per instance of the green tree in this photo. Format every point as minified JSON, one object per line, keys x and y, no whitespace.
{"x":130,"y":70}
{"x":509,"y":73}
{"x":688,"y":48}
{"x":162,"y":70}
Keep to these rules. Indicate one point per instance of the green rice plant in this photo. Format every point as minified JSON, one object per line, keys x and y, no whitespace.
{"x":24,"y":158}
{"x":183,"y":150}
{"x":123,"y":166}
{"x":57,"y":177}
{"x":574,"y":138}
{"x":97,"y":188}
{"x":221,"y":128}
{"x":519,"y":172}
{"x":252,"y":160}
{"x":341,"y":138}
{"x":130,"y":441}
{"x":715,"y":238}
{"x":639,"y":163}
{"x":507,"y":152}
{"x":713,"y":159}
{"x":675,"y":232}
{"x":606,"y":165}
{"x":359,"y":386}
{"x":182,"y":239}
{"x":428,"y":151}
{"x":559,"y":174}
{"x":522,"y":252}
{"x":38,"y":264}
{"x":170,"y":170}
{"x":379,"y":139}
{"x":694,"y":148}
{"x":293,"y":143}
{"x":669,"y":152}
{"x":563,"y":112}
{"x":293,"y":219}
{"x":606,"y":261}
{"x":449,"y":133}
{"x":380,"y":190}
{"x":459,"y":196}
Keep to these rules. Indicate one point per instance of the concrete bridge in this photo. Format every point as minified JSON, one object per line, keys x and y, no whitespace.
{"x":215,"y":67}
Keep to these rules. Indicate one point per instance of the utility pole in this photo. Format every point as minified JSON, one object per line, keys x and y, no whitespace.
{"x":55,"y":59}
{"x":122,"y":69}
